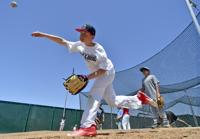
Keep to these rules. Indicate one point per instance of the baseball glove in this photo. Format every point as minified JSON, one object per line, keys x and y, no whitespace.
{"x":75,"y":83}
{"x":160,"y":102}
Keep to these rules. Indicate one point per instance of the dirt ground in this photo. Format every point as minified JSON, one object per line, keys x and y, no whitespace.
{"x":162,"y":133}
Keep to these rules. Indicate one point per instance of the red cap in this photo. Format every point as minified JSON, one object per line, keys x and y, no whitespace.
{"x":80,"y":29}
{"x":88,"y":28}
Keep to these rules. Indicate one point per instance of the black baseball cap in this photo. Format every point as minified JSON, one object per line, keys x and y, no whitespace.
{"x":88,"y":28}
{"x":144,"y":68}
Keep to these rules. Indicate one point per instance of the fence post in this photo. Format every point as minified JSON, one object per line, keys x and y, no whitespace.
{"x":192,"y":110}
{"x":29,"y":109}
{"x":111,"y":118}
{"x":53,"y":118}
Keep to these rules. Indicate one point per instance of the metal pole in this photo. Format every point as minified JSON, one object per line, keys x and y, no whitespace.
{"x":80,"y":101}
{"x":111,"y":126}
{"x":192,"y":110}
{"x":189,"y":5}
{"x":62,"y":122}
{"x":65,"y":106}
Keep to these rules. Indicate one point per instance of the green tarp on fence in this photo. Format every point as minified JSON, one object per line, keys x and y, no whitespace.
{"x":19,"y":117}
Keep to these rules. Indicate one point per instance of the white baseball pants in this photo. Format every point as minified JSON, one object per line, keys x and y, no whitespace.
{"x":126,"y":122}
{"x":103,"y":89}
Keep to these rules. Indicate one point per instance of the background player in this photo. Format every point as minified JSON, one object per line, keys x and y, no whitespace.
{"x":150,"y":85}
{"x":126,"y":119}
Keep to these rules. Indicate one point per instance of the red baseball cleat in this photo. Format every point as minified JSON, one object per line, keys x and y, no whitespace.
{"x":90,"y":131}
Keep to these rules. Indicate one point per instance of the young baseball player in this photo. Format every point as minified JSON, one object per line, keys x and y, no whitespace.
{"x":150,"y":85}
{"x":126,"y":119}
{"x":102,"y":71}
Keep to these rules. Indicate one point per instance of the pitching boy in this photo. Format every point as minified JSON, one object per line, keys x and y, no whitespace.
{"x":102,"y":71}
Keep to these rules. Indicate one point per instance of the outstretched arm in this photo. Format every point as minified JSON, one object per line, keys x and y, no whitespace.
{"x":54,"y":38}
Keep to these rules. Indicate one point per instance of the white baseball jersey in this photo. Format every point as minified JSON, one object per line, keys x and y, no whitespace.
{"x":102,"y":88}
{"x":95,"y":57}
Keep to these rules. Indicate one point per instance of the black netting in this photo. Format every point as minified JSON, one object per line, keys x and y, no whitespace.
{"x":177,"y":67}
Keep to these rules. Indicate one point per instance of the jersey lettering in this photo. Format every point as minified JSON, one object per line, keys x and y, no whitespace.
{"x":89,"y":57}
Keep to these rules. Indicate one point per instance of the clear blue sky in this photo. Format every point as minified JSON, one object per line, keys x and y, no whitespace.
{"x":31,"y":69}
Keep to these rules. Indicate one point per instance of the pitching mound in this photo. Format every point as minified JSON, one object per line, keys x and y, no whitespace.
{"x":162,"y":133}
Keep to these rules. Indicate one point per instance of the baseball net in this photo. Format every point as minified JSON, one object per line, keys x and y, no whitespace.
{"x":177,"y":67}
